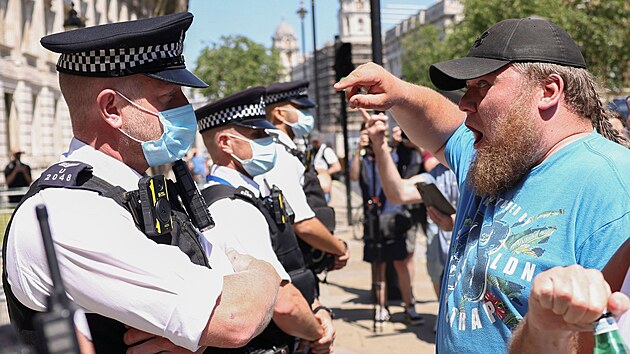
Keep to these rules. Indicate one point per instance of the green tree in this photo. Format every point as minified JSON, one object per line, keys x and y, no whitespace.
{"x":600,"y":27}
{"x":422,"y":48}
{"x":235,"y":63}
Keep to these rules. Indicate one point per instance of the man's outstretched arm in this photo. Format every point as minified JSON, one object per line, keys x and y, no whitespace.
{"x":427,"y":117}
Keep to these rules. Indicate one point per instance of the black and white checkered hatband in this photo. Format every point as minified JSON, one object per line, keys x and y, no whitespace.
{"x":232,"y":115}
{"x":123,"y":61}
{"x":286,"y":95}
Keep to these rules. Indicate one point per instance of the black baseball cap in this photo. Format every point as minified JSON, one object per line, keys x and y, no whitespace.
{"x":531,"y":39}
{"x":245,"y":108}
{"x":151,"y":46}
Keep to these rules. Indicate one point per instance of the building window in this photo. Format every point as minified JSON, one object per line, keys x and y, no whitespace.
{"x":8,"y":101}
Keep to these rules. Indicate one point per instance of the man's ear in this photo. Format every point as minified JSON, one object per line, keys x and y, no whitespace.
{"x":224,"y":143}
{"x":108,"y":108}
{"x":278,"y":116}
{"x":552,"y":92}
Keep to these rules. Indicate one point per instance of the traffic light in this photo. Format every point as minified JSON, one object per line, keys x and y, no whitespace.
{"x":343,"y":60}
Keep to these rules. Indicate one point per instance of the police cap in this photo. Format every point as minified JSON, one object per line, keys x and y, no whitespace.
{"x":295,"y":92}
{"x":245,"y":108}
{"x":151,"y":46}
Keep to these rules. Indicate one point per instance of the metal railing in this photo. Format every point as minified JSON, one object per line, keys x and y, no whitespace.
{"x":6,"y":209}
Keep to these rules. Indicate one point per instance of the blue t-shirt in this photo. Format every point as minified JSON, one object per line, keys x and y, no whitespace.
{"x":572,"y":208}
{"x":367,"y":187}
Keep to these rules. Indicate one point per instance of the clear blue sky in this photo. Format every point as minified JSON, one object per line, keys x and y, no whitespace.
{"x":258,"y":19}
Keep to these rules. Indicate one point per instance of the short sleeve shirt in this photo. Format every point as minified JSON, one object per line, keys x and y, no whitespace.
{"x":109,"y":267}
{"x":574,"y":207}
{"x":288,"y":175}
{"x":239,"y":224}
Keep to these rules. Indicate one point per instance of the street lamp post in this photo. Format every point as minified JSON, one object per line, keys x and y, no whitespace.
{"x":302,"y":13}
{"x":317,"y":110}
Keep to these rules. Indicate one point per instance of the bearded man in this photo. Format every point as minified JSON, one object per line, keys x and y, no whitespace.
{"x":539,"y":186}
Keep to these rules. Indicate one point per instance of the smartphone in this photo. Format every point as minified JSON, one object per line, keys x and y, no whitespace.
{"x":432,"y":196}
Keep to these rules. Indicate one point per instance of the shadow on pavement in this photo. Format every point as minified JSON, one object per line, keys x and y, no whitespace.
{"x":362,"y":318}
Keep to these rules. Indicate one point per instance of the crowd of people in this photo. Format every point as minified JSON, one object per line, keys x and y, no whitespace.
{"x":519,"y":185}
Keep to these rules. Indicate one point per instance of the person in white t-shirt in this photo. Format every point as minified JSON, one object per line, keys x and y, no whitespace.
{"x":325,"y":161}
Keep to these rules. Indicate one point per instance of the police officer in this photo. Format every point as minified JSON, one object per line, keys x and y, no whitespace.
{"x":122,"y":83}
{"x":233,"y":130}
{"x":288,"y":108}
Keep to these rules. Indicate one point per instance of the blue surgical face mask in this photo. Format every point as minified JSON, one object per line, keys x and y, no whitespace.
{"x":304,"y":124}
{"x":263,"y":155}
{"x":180,"y":126}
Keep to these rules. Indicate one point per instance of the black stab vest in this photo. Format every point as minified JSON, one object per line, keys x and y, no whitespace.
{"x":107,"y":333}
{"x":285,"y":246}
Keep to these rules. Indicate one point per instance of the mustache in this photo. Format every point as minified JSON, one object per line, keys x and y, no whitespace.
{"x":509,"y":155}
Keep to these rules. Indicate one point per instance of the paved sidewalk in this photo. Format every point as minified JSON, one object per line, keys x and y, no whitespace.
{"x":348,"y":294}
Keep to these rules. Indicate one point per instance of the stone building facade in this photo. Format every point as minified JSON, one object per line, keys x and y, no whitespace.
{"x":285,"y":42}
{"x":443,"y":14}
{"x":33,"y":115}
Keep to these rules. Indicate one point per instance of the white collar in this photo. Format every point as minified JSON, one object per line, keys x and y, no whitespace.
{"x":104,"y":166}
{"x":233,"y":177}
{"x":284,"y":139}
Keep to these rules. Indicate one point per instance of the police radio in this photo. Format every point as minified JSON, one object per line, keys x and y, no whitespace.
{"x":193,"y":201}
{"x":155,"y":205}
{"x":56,"y":325}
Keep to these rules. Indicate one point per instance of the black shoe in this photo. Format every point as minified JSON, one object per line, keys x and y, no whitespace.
{"x":412,"y":317}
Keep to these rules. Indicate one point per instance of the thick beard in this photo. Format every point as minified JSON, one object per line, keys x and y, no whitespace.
{"x":513,"y":151}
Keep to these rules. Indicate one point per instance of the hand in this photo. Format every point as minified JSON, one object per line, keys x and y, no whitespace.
{"x":147,"y":343}
{"x":341,"y":261}
{"x":364,"y":139}
{"x":383,"y":90}
{"x":397,"y":134}
{"x":566,"y":299}
{"x":324,"y":345}
{"x":240,"y":262}
{"x":376,"y":126}
{"x":443,"y":221}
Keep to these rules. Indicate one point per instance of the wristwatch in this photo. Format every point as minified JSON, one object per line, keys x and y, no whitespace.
{"x":328,"y":309}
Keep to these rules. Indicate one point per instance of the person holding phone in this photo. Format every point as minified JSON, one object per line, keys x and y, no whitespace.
{"x":531,"y":113}
{"x":389,"y":241}
{"x":404,"y":191}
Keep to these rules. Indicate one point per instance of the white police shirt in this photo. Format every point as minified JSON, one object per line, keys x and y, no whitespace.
{"x":239,"y":224}
{"x":108,"y":266}
{"x":288,"y":175}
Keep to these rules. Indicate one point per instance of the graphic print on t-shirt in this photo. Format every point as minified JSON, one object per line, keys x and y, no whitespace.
{"x":493,"y":263}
